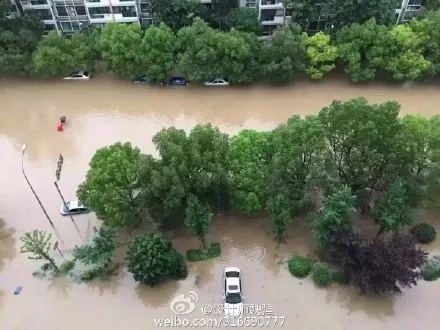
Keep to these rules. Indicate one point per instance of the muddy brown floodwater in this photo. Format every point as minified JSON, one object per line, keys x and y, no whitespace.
{"x":103,"y":111}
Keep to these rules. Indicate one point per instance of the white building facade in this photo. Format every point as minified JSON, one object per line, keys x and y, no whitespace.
{"x":70,"y":16}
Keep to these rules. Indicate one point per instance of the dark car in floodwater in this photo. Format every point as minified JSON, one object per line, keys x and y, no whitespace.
{"x":176,"y":81}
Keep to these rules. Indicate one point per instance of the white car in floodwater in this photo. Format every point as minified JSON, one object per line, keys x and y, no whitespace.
{"x":73,"y":207}
{"x":217,"y":82}
{"x":79,"y":75}
{"x":232,"y":292}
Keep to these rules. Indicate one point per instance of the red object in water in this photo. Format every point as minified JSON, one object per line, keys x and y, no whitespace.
{"x":60,"y":127}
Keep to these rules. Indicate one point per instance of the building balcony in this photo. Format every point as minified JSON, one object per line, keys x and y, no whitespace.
{"x":271,"y":4}
{"x":102,"y":3}
{"x":34,"y":4}
{"x":68,"y":2}
{"x":73,"y":18}
{"x":106,"y":18}
{"x":277,"y":20}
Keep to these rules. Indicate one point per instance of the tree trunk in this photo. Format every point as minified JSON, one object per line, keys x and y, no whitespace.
{"x":51,"y":261}
{"x":380,"y":232}
{"x":204,"y":246}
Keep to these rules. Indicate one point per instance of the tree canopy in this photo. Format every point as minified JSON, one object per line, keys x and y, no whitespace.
{"x":151,"y":259}
{"x":111,"y":187}
{"x":121,"y":47}
{"x":283,"y":56}
{"x":19,"y":37}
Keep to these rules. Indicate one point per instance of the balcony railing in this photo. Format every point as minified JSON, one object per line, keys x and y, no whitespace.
{"x":271,"y":2}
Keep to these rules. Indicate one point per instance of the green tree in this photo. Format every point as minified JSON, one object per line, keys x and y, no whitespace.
{"x":405,"y":59}
{"x":220,"y":11}
{"x":121,"y":47}
{"x":279,"y":206}
{"x":249,"y":155}
{"x":429,"y":30}
{"x":54,"y":56}
{"x":19,"y":37}
{"x":320,"y":53}
{"x":347,"y":12}
{"x":196,"y":164}
{"x":199,"y":61}
{"x":420,"y":140}
{"x":363,"y":139}
{"x":363,"y":49}
{"x":175,"y":13}
{"x":433,"y":4}
{"x":208,"y":54}
{"x":244,"y":19}
{"x":393,"y":212}
{"x":198,"y":217}
{"x":298,"y":161}
{"x":151,"y":259}
{"x":111,"y":187}
{"x":335,"y":215}
{"x":100,"y":252}
{"x":283,"y":57}
{"x":37,"y":243}
{"x":85,"y":50}
{"x":159,"y":46}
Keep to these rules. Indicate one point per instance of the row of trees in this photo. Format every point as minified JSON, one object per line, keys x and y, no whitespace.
{"x":363,"y":146}
{"x":200,"y":53}
{"x":351,"y":151}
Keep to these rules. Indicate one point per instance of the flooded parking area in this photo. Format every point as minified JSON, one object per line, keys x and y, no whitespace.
{"x":103,"y":111}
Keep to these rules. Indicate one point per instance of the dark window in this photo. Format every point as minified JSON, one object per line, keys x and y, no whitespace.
{"x":38,"y":2}
{"x":86,"y":73}
{"x":99,"y":12}
{"x":61,"y":11}
{"x":126,"y":11}
{"x":43,"y":13}
{"x":73,"y":210}
{"x":81,"y":10}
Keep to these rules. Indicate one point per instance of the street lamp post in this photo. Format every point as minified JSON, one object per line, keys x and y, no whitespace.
{"x":30,"y":186}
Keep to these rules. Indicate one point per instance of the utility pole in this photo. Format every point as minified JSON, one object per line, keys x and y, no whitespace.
{"x":32,"y":189}
{"x":58,"y":175}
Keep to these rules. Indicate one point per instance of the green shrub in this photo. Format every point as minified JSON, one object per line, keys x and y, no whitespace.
{"x":321,"y":274}
{"x":299,"y":266}
{"x":430,"y":270}
{"x":213,"y":251}
{"x":339,"y":277}
{"x":424,"y":232}
{"x":66,"y":267}
{"x":179,"y":270}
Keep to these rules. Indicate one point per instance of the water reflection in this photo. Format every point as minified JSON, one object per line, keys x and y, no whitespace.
{"x":374,"y":306}
{"x":7,"y":243}
{"x":61,"y":286}
{"x":157,"y":296}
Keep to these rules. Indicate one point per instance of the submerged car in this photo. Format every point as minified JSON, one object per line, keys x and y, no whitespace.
{"x":142,"y":80}
{"x":232,"y":292}
{"x":217,"y":82}
{"x":79,"y":75}
{"x":73,"y":207}
{"x":176,"y":81}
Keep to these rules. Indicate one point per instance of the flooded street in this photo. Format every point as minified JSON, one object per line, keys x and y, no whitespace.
{"x":103,"y":111}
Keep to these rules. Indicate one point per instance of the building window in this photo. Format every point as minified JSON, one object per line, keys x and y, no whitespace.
{"x":44,"y":14}
{"x":49,"y":27}
{"x":38,"y":2}
{"x":99,"y":12}
{"x":62,"y":11}
{"x":81,"y":10}
{"x":126,"y":11}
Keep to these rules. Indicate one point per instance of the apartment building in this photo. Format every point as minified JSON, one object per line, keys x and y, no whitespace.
{"x":69,"y":16}
{"x":273,"y":14}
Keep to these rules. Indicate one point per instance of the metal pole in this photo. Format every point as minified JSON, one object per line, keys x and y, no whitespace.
{"x":32,"y":189}
{"x":64,"y":202}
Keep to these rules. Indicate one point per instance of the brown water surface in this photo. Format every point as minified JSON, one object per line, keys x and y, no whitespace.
{"x":104,"y":111}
